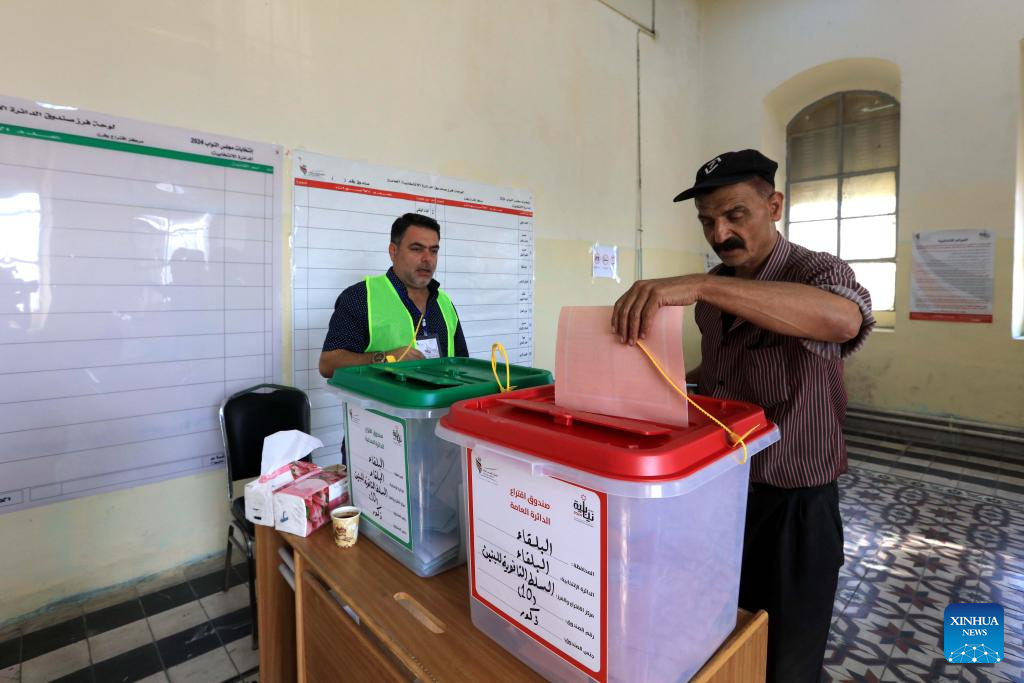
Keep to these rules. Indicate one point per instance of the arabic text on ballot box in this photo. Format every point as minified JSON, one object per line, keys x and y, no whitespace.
{"x":537,"y":551}
{"x":379,"y":471}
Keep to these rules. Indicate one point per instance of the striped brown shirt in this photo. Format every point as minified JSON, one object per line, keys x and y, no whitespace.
{"x":798,"y":382}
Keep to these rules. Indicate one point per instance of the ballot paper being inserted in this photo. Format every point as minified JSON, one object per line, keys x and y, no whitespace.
{"x":595,"y":372}
{"x":278,"y":468}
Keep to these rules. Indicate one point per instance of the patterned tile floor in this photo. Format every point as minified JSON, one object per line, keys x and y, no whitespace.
{"x":924,"y":527}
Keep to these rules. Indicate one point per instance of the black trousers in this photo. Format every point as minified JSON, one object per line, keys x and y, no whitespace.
{"x":792,"y":552}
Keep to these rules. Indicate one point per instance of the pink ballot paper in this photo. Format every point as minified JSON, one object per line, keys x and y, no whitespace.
{"x":597,"y":373}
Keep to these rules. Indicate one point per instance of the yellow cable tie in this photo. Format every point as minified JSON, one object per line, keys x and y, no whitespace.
{"x":415,"y":333}
{"x":495,"y":347}
{"x":734,"y":438}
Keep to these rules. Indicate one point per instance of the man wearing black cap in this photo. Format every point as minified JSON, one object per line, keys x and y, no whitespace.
{"x":776,"y":322}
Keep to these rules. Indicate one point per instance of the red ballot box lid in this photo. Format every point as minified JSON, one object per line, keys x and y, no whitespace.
{"x":619,"y":448}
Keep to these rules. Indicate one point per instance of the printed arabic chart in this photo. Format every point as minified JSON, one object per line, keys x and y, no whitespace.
{"x":537,"y":556}
{"x":136,"y":266}
{"x":342,"y":216}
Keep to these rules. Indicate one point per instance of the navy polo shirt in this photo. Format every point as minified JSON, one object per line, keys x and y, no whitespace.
{"x":349,"y":329}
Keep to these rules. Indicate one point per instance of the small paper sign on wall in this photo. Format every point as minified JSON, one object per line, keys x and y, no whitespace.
{"x":605,"y":262}
{"x":952,"y":276}
{"x":711,"y":260}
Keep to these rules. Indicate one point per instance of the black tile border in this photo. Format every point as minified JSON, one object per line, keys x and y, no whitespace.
{"x":896,"y":464}
{"x":233,"y":625}
{"x":978,"y":466}
{"x":115,"y":616}
{"x":141,"y":662}
{"x":208,"y":584}
{"x":912,"y":467}
{"x":952,"y":476}
{"x":167,"y":598}
{"x":873,"y":445}
{"x":10,"y":652}
{"x":907,"y":470}
{"x":213,"y":583}
{"x":193,"y":642}
{"x":953,"y":450}
{"x":980,"y":481}
{"x":244,"y":675}
{"x":50,"y":638}
{"x":21,"y":647}
{"x":1012,"y":488}
{"x":239,"y":575}
{"x":86,"y":675}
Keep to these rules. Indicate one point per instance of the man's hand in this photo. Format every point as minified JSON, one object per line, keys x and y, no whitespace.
{"x":413,"y":353}
{"x":340,"y":358}
{"x":633,"y":312}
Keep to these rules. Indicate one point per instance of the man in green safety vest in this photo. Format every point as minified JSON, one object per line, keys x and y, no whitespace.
{"x":401,"y":315}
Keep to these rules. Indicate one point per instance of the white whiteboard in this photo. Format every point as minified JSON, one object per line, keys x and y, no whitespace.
{"x":342,"y":216}
{"x":136,"y":292}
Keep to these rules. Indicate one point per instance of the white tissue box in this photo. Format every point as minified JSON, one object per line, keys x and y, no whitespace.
{"x":305,"y":505}
{"x":279,"y":466}
{"x":259,"y":493}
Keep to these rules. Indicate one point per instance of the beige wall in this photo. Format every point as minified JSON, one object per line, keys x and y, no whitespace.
{"x":956,"y":69}
{"x":538,"y":94}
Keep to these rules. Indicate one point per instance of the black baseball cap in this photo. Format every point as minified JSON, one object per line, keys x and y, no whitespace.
{"x":730,"y":168}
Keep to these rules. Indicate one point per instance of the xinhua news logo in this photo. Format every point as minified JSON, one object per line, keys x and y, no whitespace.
{"x":973,"y":633}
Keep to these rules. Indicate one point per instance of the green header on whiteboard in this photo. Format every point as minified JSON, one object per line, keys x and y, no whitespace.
{"x":52,"y":136}
{"x":432,"y":383}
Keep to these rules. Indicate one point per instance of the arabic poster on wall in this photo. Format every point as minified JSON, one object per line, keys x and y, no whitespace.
{"x":952,"y":276}
{"x":58,"y":123}
{"x":538,"y":548}
{"x":378,"y":471}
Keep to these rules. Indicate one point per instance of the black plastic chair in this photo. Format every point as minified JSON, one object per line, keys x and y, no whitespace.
{"x":245,"y":419}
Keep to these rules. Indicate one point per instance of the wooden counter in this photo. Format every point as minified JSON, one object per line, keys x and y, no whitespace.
{"x":357,"y":615}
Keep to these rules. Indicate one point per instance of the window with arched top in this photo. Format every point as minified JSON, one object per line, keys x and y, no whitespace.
{"x":842,"y":180}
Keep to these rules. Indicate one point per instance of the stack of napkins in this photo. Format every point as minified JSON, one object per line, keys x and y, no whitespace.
{"x":305,"y":505}
{"x":278,"y":468}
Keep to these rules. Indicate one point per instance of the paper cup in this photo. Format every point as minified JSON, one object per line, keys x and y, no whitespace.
{"x":345,"y":521}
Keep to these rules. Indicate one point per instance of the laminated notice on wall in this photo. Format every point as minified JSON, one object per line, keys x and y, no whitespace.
{"x":711,"y":260}
{"x":952,"y":276}
{"x":605,"y":262}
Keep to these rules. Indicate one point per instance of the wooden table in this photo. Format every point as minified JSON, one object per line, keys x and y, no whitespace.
{"x":357,"y":615}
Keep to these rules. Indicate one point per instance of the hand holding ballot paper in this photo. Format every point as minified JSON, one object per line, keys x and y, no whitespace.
{"x":598,"y":374}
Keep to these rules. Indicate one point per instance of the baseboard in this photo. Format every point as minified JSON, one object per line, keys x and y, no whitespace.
{"x":945,"y":431}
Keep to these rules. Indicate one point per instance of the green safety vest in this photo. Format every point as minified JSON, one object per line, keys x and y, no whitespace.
{"x":391,"y":325}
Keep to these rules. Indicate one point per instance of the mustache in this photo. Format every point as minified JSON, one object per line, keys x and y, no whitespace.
{"x":731,"y":243}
